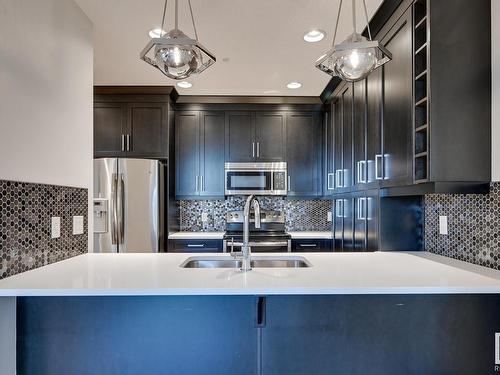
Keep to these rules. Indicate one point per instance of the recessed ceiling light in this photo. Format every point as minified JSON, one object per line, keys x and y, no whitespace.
{"x":294,"y":85}
{"x":184,"y":84}
{"x":157,"y":33}
{"x":314,"y":35}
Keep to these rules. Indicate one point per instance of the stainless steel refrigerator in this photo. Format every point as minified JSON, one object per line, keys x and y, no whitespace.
{"x":128,"y":205}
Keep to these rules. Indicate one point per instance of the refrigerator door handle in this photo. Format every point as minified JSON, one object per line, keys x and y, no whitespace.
{"x":120,"y":210}
{"x":114,"y":216}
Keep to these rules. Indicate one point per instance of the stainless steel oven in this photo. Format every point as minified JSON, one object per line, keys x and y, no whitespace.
{"x":255,"y":178}
{"x":269,"y":238}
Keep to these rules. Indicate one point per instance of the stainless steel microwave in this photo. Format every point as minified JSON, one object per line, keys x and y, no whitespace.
{"x":255,"y":178}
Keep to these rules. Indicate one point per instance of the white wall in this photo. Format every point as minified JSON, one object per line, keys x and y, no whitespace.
{"x":495,"y":105}
{"x":46,"y":79}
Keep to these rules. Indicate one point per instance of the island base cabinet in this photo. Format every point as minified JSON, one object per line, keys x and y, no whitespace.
{"x":297,"y":334}
{"x":136,"y":335}
{"x":380,"y":334}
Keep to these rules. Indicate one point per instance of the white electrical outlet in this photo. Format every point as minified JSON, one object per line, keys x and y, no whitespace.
{"x":443,"y":225}
{"x":204,"y":217}
{"x":77,"y":225}
{"x":329,"y":216}
{"x":55,"y":231}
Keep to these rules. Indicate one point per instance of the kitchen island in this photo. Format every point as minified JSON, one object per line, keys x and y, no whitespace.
{"x":347,"y":313}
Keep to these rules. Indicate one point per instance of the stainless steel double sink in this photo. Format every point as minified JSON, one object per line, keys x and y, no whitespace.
{"x":255,"y":261}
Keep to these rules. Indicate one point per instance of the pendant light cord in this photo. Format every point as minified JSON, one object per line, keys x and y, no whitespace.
{"x":177,"y":14}
{"x":367,"y":21}
{"x":192,"y":20}
{"x":337,"y":24}
{"x":163,"y":18}
{"x":354,"y":16}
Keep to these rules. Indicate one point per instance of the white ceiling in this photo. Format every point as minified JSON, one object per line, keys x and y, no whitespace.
{"x":261,"y":40}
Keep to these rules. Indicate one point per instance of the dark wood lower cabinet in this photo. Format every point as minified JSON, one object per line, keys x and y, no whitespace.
{"x":357,"y":222}
{"x":194,"y":246}
{"x":248,"y":335}
{"x":312,"y":245}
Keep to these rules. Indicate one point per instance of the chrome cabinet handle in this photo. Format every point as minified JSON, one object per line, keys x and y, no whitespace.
{"x":258,"y":149}
{"x":253,"y":149}
{"x":339,"y":208}
{"x":329,"y":179}
{"x":289,"y":183}
{"x":195,"y":245}
{"x":338,"y":175}
{"x":361,"y":214}
{"x":128,"y":142}
{"x":123,"y":142}
{"x":361,"y":171}
{"x":378,"y":167}
{"x":196,"y":184}
{"x":202,"y":184}
{"x":308,"y":245}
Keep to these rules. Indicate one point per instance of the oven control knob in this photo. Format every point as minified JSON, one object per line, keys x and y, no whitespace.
{"x":236,"y":216}
{"x":230,"y":216}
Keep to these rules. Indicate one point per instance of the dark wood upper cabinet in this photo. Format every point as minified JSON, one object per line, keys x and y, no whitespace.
{"x":329,"y":118}
{"x":269,"y":136}
{"x":458,"y":86}
{"x":347,"y":175}
{"x":110,"y":127}
{"x":147,"y":130}
{"x":338,"y":135}
{"x":397,"y":105}
{"x":359,"y":131}
{"x":212,"y":128}
{"x":199,"y":154}
{"x":255,"y":136}
{"x":374,"y":128}
{"x":187,"y":153}
{"x":131,"y":126}
{"x":240,"y":134}
{"x":303,"y":150}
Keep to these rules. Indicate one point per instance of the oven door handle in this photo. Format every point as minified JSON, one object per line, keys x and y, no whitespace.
{"x":262,"y":243}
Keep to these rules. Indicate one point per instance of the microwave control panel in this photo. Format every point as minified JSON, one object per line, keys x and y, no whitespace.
{"x":279,"y":181}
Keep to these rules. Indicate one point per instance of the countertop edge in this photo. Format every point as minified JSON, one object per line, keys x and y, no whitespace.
{"x":246,"y":292}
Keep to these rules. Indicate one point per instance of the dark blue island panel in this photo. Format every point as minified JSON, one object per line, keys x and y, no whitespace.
{"x":136,"y":335}
{"x":345,"y":334}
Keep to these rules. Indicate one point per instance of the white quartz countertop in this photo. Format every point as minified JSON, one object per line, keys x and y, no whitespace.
{"x":219,"y":235}
{"x":331,"y":273}
{"x":196,"y":236}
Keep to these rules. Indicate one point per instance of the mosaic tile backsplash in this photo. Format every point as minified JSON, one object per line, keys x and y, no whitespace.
{"x":301,"y":215}
{"x":25,"y":225}
{"x":473,"y":226}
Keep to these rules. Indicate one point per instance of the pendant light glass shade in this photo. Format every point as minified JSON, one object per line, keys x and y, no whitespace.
{"x":354,"y":58}
{"x":175,"y":54}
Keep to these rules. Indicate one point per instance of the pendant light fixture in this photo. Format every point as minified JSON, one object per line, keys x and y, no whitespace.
{"x":356,"y":57}
{"x":174,"y":53}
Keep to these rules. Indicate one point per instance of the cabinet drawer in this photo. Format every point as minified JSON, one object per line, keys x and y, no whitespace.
{"x":195,"y":246}
{"x":311,"y":245}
